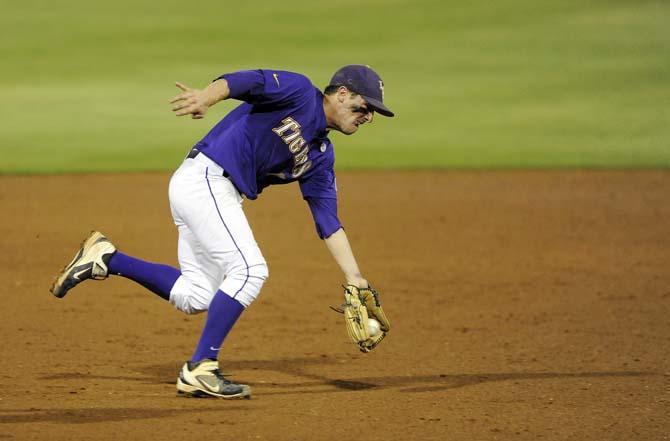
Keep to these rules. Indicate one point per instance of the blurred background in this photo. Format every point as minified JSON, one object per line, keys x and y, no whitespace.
{"x":85,"y":85}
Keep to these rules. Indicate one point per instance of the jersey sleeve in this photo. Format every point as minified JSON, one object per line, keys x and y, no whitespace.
{"x":269,"y":87}
{"x":324,"y":213}
{"x":320,"y":192}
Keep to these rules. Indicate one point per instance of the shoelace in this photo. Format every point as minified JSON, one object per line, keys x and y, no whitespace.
{"x":221,"y":377}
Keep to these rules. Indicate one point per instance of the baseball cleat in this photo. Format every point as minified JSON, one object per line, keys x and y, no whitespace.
{"x":203,"y":379}
{"x":89,"y":263}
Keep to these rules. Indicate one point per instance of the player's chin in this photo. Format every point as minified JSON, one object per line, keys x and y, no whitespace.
{"x":351,"y":129}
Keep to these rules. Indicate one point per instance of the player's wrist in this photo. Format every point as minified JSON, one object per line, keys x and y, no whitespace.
{"x":357,"y":281}
{"x":217,"y":91}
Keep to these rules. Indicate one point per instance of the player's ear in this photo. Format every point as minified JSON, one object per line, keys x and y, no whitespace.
{"x":342,"y":94}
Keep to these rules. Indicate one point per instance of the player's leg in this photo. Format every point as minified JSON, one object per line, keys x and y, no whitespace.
{"x":98,"y":258}
{"x":219,"y":226}
{"x":156,"y":277}
{"x":191,"y":287}
{"x":244,"y":277}
{"x":196,"y":291}
{"x":222,"y":230}
{"x":200,"y":274}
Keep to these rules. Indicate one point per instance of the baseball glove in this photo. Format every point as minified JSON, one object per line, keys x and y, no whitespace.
{"x":359,"y":305}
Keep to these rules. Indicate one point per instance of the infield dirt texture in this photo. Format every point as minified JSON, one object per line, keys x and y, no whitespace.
{"x":524,"y":306}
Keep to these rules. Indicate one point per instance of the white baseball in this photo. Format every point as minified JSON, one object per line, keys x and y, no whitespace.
{"x":374,"y":327}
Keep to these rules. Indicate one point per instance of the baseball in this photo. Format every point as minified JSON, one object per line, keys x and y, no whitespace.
{"x":374,"y":327}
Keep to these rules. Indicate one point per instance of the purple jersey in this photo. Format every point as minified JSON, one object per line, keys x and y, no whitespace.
{"x":277,"y":136}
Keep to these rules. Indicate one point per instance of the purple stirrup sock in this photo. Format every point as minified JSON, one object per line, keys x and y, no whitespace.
{"x":222,"y":314}
{"x":154,"y":276}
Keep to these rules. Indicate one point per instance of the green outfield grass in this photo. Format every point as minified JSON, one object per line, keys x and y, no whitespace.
{"x":480,"y":84}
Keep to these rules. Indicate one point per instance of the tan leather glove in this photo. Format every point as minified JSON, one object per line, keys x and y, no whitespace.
{"x":359,"y":305}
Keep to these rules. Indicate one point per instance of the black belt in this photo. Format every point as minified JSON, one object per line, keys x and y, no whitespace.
{"x":195,"y":152}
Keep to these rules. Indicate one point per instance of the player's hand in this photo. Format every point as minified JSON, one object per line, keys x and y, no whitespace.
{"x":194,"y":102}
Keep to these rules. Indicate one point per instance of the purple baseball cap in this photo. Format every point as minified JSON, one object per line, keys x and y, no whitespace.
{"x":365,"y":82}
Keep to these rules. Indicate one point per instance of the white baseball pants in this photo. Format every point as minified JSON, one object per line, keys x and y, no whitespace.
{"x":216,"y":249}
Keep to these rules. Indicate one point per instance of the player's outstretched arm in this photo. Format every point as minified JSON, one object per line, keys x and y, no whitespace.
{"x":339,"y":247}
{"x":195,"y":102}
{"x":361,"y":301}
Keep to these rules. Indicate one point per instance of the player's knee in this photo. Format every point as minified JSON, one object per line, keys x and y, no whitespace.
{"x":190,"y":297}
{"x":260,"y":272}
{"x":188,"y":306}
{"x":245,"y":284}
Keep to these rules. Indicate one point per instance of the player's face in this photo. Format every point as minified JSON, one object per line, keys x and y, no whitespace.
{"x":353,"y":112}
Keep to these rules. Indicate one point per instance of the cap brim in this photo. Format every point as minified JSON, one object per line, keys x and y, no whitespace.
{"x":378,"y":106}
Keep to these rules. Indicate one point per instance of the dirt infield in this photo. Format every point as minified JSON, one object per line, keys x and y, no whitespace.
{"x":524,"y":305}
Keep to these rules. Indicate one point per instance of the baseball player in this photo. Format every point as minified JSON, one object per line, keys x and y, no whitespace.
{"x":279,"y":134}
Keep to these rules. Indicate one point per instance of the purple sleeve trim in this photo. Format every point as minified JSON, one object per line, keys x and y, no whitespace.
{"x":324,"y":212}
